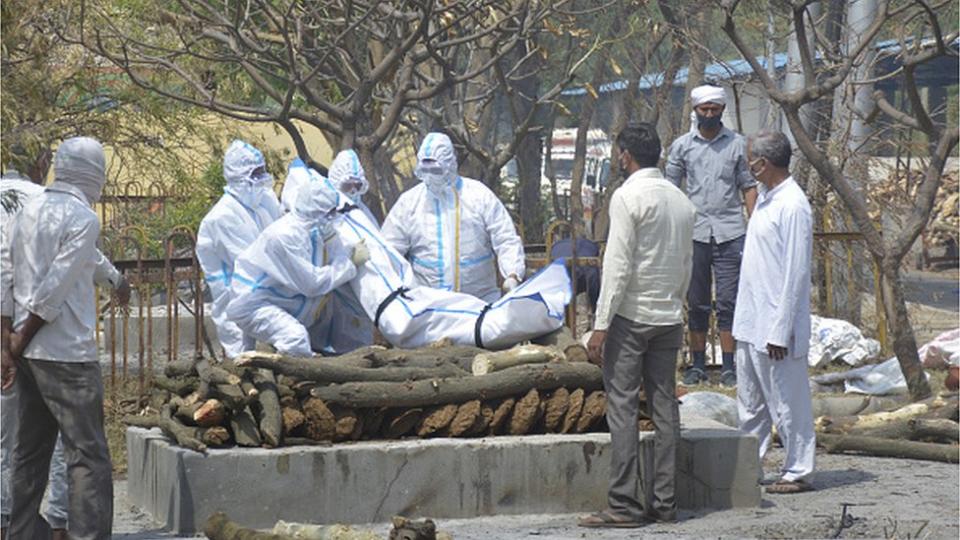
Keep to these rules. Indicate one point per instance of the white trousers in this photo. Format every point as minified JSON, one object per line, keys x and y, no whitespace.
{"x":777,"y":392}
{"x":55,"y":505}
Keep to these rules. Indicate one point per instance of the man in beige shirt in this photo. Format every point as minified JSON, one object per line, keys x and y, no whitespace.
{"x":638,"y":329}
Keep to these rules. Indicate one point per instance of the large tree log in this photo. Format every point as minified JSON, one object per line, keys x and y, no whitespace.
{"x":180,"y":386}
{"x":864,"y":422}
{"x":562,"y":339}
{"x":377,"y":357}
{"x":873,"y":446}
{"x":327,"y":372}
{"x":185,"y":436}
{"x":214,"y":374}
{"x":489,"y":362}
{"x":204,"y":414}
{"x":270,"y":416}
{"x":180,"y":368}
{"x":939,"y":429}
{"x":509,"y":382}
{"x":244,"y":428}
{"x":219,"y":527}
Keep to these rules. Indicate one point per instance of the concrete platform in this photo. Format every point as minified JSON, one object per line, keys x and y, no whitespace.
{"x":371,"y":481}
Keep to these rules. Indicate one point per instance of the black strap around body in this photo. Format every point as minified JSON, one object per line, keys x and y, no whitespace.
{"x":346,"y":208}
{"x":401,"y":292}
{"x":476,"y":329}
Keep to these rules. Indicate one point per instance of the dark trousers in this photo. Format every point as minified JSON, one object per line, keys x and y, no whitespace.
{"x":642,"y":356}
{"x":719,"y":263}
{"x":64,"y":397}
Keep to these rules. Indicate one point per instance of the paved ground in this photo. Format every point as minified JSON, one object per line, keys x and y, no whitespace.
{"x":889,"y":498}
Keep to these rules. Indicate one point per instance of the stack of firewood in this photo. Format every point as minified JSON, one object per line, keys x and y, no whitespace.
{"x":923,"y":430}
{"x":265,"y":399}
{"x":901,"y":191}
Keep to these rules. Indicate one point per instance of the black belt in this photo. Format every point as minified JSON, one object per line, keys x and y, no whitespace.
{"x":401,"y":292}
{"x":476,"y":329}
{"x":346,"y":208}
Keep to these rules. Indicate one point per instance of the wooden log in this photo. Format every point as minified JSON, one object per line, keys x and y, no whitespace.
{"x":938,"y":429}
{"x":509,"y":382}
{"x":406,"y":529}
{"x":321,"y":371}
{"x":180,"y":386}
{"x":232,"y":396}
{"x":489,"y":362}
{"x":180,"y":368}
{"x":377,"y":357}
{"x":877,"y":421}
{"x":563,"y":340}
{"x":214,"y":374}
{"x":874,"y":446}
{"x":244,"y":428}
{"x":400,"y":422}
{"x":184,"y":436}
{"x":269,"y":415}
{"x":304,"y":441}
{"x":219,"y":527}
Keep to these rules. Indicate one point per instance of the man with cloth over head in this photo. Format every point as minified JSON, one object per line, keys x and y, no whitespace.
{"x":247,"y":207}
{"x":450,"y":228}
{"x":711,"y":159}
{"x":49,"y":348}
{"x":282,"y":282}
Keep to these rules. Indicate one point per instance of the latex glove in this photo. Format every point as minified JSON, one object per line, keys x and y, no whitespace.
{"x":360,"y":255}
{"x":510,"y":283}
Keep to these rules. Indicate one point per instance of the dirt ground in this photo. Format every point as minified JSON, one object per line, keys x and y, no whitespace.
{"x":888,"y":498}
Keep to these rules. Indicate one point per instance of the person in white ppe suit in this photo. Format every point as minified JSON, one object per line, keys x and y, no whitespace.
{"x":283,"y":281}
{"x":347,"y":176}
{"x":246,"y":208}
{"x":451,"y":227}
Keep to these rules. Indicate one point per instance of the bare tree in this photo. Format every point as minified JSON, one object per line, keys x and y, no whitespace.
{"x":352,"y":69}
{"x":823,"y":79}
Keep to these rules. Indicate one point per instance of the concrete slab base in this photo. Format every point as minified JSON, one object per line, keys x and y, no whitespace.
{"x":371,"y":481}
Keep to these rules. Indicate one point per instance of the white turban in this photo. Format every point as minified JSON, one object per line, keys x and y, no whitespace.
{"x":708,"y":94}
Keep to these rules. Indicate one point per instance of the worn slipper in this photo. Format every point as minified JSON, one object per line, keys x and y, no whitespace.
{"x":607,"y":519}
{"x":788,"y":486}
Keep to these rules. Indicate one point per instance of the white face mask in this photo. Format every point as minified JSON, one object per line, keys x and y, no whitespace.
{"x":248,"y":194}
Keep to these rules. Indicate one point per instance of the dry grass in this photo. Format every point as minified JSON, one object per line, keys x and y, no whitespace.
{"x":119,"y":401}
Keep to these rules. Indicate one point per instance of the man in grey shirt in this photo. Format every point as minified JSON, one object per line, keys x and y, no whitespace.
{"x":718,"y":181}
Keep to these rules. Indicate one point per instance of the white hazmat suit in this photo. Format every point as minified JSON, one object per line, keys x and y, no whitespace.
{"x":347,"y":177}
{"x":450,"y":228}
{"x":284,"y":280}
{"x":246,"y":208}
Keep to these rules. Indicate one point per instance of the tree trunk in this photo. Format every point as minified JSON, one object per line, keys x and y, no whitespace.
{"x":588,"y":106}
{"x":898,"y":324}
{"x":696,"y":24}
{"x":508,"y":382}
{"x":323,"y":372}
{"x":872,"y":446}
{"x":517,"y":356}
{"x":219,"y":527}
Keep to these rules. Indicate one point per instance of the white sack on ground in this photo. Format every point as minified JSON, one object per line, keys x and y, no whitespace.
{"x":717,"y":407}
{"x":422,"y":315}
{"x":878,"y":379}
{"x":833,"y":339}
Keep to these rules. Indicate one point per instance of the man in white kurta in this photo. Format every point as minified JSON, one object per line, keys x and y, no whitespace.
{"x":772,"y":319}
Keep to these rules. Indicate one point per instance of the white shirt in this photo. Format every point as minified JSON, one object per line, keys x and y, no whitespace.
{"x":649,"y":254}
{"x":54,"y":258}
{"x":16,"y":192}
{"x":773,"y":300}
